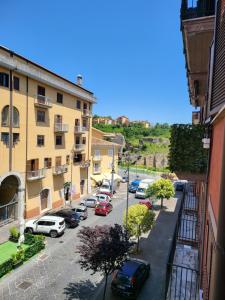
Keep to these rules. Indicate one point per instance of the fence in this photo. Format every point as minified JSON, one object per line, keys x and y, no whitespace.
{"x":8,"y":213}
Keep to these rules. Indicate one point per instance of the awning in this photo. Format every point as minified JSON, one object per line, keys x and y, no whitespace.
{"x":97,"y":178}
{"x":100,"y":177}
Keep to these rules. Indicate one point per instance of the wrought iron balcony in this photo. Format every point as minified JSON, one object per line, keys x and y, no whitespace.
{"x":58,"y":170}
{"x":87,"y":113}
{"x":42,"y":101}
{"x":36,"y":174}
{"x":59,"y":127}
{"x":79,"y":147}
{"x":197,"y":9}
{"x":80,"y":129}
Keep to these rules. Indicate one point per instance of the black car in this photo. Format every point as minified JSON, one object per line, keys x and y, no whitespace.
{"x":129,"y":279}
{"x":71,"y":218}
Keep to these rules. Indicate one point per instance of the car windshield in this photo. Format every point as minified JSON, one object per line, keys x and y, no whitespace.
{"x":105,"y":186}
{"x":141,"y":190}
{"x":100,"y":206}
{"x":79,"y":210}
{"x":122,"y":278}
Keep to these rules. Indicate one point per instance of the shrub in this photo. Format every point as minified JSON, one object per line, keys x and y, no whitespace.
{"x":18,"y":257}
{"x":6,"y":267}
{"x":29,"y":239}
{"x":14,"y":234}
{"x":34,"y":249}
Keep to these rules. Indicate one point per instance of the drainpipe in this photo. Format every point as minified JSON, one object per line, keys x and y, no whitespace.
{"x":217,"y":283}
{"x":10,"y":120}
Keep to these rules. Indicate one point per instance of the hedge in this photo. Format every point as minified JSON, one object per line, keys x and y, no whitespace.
{"x":36,"y":244}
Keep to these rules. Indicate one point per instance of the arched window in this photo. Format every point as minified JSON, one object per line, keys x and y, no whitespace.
{"x":5,"y":116}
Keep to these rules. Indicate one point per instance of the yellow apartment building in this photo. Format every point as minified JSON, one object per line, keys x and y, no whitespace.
{"x":104,"y":155}
{"x":45,"y":144}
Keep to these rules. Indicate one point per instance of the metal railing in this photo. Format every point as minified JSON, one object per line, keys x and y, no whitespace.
{"x":191,"y":203}
{"x":36,"y":174}
{"x":59,"y":127}
{"x":79,"y":147}
{"x":188,"y":230}
{"x":57,"y":170}
{"x":43,"y":101}
{"x":87,"y":112}
{"x":191,"y":9}
{"x":8,"y":213}
{"x":80,"y":129}
{"x":183,"y":283}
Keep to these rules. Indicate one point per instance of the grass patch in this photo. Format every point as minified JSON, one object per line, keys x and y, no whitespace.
{"x":7,"y":249}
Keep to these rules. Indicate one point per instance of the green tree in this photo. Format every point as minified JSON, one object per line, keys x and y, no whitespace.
{"x":161,"y":189}
{"x":140,"y":220}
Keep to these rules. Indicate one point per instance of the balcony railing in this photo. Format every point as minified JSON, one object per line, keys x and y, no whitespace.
{"x":97,"y":158}
{"x":58,"y":170}
{"x":97,"y":171}
{"x":42,"y":101}
{"x":59,"y":127}
{"x":191,"y":9}
{"x":87,"y":113}
{"x":79,"y":147}
{"x":80,"y":129}
{"x":35,"y":175}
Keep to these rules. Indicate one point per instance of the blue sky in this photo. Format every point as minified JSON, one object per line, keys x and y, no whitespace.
{"x":129,"y":52}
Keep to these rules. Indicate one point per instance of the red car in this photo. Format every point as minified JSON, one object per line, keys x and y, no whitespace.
{"x":146,"y":202}
{"x":103,"y":208}
{"x":106,"y":193}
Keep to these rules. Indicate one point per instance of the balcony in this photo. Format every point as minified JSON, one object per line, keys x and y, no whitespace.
{"x":97,"y":171}
{"x":42,"y":101}
{"x":197,"y":9}
{"x":58,"y":170}
{"x":196,"y":117}
{"x":36,"y":174}
{"x":79,"y":147}
{"x":97,"y":158}
{"x":87,"y":113}
{"x":59,"y":127}
{"x":85,"y":164}
{"x":197,"y":26}
{"x":80,"y":129}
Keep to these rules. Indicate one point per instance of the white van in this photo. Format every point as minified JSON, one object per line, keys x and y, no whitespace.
{"x":143,"y":186}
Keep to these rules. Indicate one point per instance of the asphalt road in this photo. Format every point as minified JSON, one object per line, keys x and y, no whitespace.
{"x":55,"y":273}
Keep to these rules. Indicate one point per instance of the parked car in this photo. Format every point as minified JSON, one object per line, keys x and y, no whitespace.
{"x":142,"y":188}
{"x":71,"y":218}
{"x":106,"y":193}
{"x":103,"y":208}
{"x":146,"y":202}
{"x":128,"y":280}
{"x":89,"y":202}
{"x":125,"y":178}
{"x":52,"y":225}
{"x":179,"y":185}
{"x":82,"y":212}
{"x":134,"y":186}
{"x":103,"y":197}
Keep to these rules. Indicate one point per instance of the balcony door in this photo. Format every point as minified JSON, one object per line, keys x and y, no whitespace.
{"x":41,"y":93}
{"x":45,"y":199}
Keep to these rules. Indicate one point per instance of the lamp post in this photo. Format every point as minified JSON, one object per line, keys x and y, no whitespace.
{"x":113,"y":171}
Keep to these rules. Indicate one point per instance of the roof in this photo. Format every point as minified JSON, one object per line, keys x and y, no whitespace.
{"x":51,"y":217}
{"x":99,"y":142}
{"x":122,"y":117}
{"x":43,"y":68}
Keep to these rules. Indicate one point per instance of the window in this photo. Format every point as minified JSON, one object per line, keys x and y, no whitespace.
{"x":40,"y":116}
{"x":58,"y":161}
{"x":78,"y":104}
{"x":4,"y":79}
{"x":40,"y":140}
{"x":97,"y":153}
{"x":47,"y":162}
{"x":16,"y":138}
{"x":77,"y":158}
{"x":110,"y":152}
{"x":85,"y":123}
{"x":41,"y":93}
{"x":97,"y":168}
{"x":5,"y":116}
{"x":58,"y":140}
{"x":58,"y":119}
{"x":84,"y":140}
{"x":16,"y":83}
{"x":67,"y":159}
{"x":85,"y":106}
{"x":5,"y":138}
{"x":59,"y":98}
{"x":77,"y":140}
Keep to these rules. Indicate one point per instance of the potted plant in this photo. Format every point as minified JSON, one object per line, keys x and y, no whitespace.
{"x":14,"y":234}
{"x":18,"y":257}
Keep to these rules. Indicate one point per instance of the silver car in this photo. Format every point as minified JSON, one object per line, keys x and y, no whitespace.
{"x":89,"y":202}
{"x":82,"y":212}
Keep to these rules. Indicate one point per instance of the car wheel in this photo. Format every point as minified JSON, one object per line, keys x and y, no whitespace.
{"x":53,"y":233}
{"x":29,"y":230}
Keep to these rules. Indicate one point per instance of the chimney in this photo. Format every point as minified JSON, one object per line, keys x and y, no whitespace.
{"x":79,"y":79}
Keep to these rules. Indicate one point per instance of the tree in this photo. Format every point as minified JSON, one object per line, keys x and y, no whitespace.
{"x":103,"y":249}
{"x":140,"y":220}
{"x":161,"y":189}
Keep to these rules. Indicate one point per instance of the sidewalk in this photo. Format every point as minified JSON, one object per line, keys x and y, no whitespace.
{"x":155,"y":248}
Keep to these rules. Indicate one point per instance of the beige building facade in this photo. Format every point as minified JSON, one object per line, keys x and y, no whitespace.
{"x":104,"y":157}
{"x":45,"y":145}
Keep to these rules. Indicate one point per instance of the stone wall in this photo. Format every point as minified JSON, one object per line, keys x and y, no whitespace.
{"x":157,"y":160}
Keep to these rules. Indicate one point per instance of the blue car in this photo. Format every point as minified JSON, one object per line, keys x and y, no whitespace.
{"x":128,"y":280}
{"x":134,"y":186}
